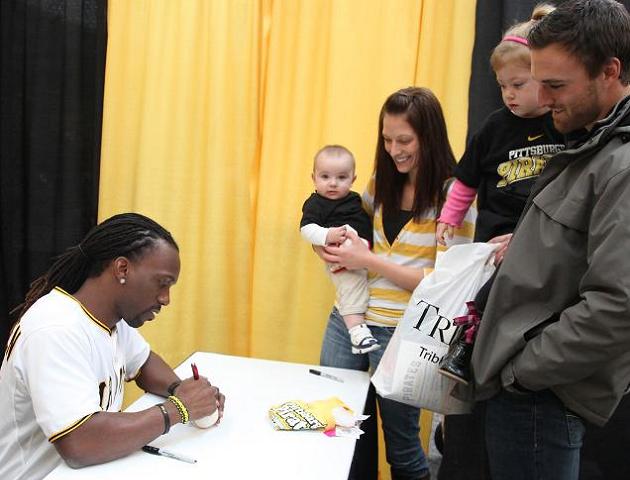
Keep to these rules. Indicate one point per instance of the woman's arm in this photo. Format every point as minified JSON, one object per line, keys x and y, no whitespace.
{"x":405,"y":277}
{"x":356,"y":255}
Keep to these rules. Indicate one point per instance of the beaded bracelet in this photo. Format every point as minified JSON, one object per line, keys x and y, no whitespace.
{"x":181,"y":408}
{"x":167,"y":419}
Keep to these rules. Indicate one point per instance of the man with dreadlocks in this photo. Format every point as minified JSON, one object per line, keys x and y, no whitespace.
{"x":74,"y":345}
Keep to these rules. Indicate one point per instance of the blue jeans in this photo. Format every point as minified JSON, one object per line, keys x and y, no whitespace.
{"x":400,"y":422}
{"x":532,"y":436}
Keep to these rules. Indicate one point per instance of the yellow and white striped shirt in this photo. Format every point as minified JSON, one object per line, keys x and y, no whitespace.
{"x":415,"y":246}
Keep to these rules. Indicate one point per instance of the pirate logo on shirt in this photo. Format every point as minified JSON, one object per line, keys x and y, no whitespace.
{"x":525,"y":163}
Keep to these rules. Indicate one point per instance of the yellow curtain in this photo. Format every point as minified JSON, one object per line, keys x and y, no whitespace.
{"x":180,"y":140}
{"x":213,"y":111}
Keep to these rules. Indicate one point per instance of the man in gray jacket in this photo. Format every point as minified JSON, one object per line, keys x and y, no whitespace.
{"x":553,"y":347}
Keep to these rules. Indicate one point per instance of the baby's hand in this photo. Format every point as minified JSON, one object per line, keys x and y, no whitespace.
{"x":442,"y":231}
{"x":336,"y":235}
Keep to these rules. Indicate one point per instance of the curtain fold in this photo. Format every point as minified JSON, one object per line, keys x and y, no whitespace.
{"x":331,"y":66}
{"x":211,"y":129}
{"x":444,"y":51}
{"x":180,"y":137}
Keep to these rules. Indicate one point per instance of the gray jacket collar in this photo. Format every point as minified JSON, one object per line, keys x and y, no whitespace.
{"x":616,"y":123}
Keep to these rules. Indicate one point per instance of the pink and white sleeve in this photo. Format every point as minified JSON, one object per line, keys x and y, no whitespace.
{"x":458,"y":201}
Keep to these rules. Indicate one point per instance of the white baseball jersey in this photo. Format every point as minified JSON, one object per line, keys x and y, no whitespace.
{"x":60,"y":367}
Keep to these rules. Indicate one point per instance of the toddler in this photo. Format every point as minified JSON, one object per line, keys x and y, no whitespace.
{"x":501,"y":162}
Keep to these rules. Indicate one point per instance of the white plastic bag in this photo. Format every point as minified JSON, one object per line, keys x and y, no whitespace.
{"x":408,"y":371}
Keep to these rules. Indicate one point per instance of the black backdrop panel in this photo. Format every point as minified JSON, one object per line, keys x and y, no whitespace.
{"x":52,"y":64}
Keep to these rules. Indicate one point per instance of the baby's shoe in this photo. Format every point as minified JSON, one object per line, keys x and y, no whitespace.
{"x":362,"y":339}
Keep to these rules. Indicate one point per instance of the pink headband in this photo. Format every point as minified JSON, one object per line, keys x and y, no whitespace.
{"x":514,"y":38}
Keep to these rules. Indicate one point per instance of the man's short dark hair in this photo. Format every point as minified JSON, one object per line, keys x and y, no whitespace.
{"x":594,"y":31}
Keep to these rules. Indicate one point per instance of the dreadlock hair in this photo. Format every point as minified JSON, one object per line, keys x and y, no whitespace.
{"x":128,"y":235}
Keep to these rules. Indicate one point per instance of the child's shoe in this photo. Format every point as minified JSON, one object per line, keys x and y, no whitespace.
{"x":456,"y":363}
{"x":362,"y":339}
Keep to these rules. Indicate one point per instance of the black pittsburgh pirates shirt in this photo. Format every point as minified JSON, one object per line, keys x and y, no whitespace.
{"x":502,"y":161}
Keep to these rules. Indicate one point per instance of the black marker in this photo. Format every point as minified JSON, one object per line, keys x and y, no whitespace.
{"x":165,"y":453}
{"x":324,"y":374}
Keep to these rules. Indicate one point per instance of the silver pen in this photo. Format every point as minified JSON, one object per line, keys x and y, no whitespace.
{"x":325,"y":375}
{"x":165,"y":453}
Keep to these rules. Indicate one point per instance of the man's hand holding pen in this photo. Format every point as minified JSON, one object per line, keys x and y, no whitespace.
{"x":200,"y":398}
{"x":192,"y":400}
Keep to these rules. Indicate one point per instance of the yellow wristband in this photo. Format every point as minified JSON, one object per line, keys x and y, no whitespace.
{"x":181,"y":408}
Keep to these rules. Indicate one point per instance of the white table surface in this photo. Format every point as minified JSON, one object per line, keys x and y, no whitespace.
{"x":245,"y":445}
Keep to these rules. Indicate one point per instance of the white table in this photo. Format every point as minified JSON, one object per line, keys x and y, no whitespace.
{"x":245,"y":445}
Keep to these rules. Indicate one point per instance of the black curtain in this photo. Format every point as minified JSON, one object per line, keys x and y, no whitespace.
{"x":52,"y":65}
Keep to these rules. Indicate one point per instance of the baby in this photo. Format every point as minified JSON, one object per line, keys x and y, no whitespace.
{"x":327,"y":216}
